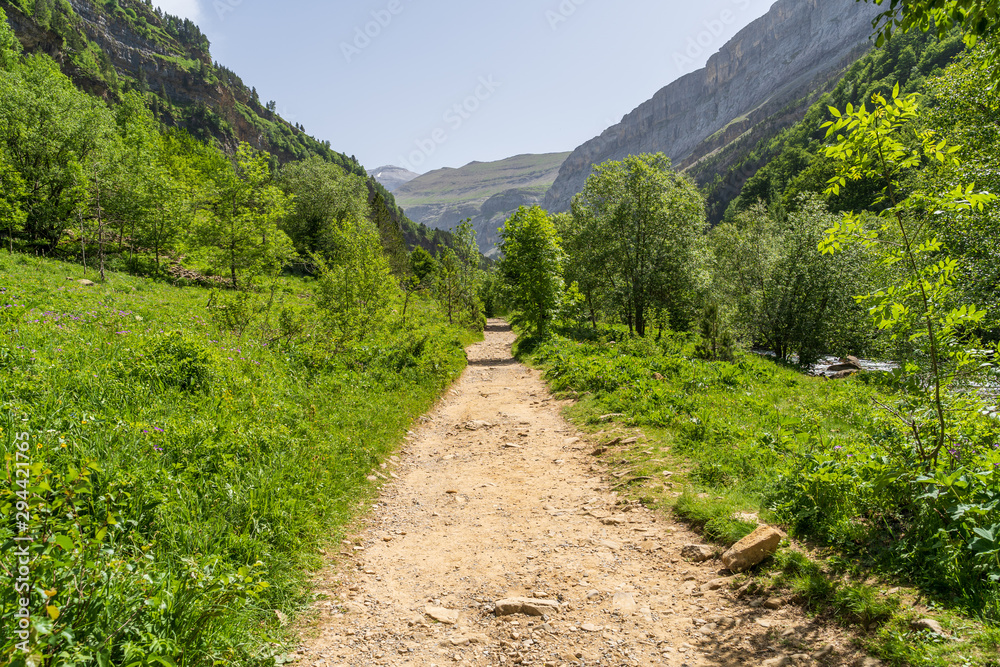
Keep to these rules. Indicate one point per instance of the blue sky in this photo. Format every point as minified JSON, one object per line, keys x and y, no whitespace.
{"x":424,"y":84}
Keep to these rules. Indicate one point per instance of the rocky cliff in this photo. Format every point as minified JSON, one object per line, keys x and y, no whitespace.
{"x":766,"y":70}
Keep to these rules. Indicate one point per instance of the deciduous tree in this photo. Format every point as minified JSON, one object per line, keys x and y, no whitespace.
{"x":920,"y":307}
{"x":643,"y":225}
{"x":532,"y":266}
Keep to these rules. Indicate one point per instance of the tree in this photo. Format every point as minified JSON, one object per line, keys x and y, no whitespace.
{"x":51,"y":131}
{"x":420,"y":276}
{"x":920,"y":308}
{"x":963,"y":109}
{"x":355,"y":288}
{"x":243,"y":235}
{"x":977,"y":19}
{"x":459,"y":276}
{"x":43,"y":12}
{"x":325,"y":201}
{"x":10,"y":47}
{"x":12,"y":193}
{"x":785,"y":296}
{"x":643,"y":225}
{"x":532,"y":266}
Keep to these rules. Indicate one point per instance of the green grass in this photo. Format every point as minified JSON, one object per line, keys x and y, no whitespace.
{"x":183,"y":480}
{"x":725,"y":445}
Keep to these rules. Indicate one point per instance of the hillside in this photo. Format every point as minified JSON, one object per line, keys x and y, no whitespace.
{"x":800,"y":45}
{"x":487,"y":192}
{"x":109,"y":48}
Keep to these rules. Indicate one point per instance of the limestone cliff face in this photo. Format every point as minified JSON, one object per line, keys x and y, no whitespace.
{"x":770,"y":64}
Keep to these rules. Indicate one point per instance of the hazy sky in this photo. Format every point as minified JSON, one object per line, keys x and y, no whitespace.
{"x":424,"y":84}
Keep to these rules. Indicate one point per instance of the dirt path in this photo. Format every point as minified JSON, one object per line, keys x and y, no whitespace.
{"x":496,"y":496}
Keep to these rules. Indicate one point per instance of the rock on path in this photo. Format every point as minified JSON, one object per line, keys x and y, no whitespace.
{"x":496,"y":498}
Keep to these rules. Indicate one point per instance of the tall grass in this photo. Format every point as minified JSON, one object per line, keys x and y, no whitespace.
{"x":182,"y":478}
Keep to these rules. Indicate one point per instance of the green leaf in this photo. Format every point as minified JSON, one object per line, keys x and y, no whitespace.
{"x":64,"y":542}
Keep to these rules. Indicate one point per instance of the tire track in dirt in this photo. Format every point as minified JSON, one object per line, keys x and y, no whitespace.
{"x":496,"y":496}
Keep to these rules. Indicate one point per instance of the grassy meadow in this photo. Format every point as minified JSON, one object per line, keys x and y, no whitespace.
{"x":183,"y":478}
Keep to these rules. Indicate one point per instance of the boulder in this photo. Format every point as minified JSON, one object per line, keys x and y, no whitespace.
{"x":753,"y":549}
{"x":846,"y":364}
{"x":526,"y":606}
{"x":85,"y":282}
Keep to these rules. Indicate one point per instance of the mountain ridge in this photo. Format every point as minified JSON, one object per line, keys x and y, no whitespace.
{"x":799,"y":43}
{"x":108,"y":48}
{"x":487,"y":192}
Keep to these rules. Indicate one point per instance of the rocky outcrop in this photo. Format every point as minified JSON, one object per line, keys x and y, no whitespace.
{"x":772,"y":63}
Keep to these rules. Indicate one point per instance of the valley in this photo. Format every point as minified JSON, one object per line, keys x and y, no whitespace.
{"x":262,"y":404}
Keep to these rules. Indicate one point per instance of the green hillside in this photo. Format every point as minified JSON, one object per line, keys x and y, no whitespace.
{"x":112,"y":47}
{"x":764,"y":163}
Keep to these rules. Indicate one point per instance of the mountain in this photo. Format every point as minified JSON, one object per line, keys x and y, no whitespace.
{"x":392,"y":177}
{"x":108,"y":47}
{"x":487,"y":192}
{"x":766,"y":75}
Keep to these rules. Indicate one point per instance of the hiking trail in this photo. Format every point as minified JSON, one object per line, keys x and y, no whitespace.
{"x":496,"y":496}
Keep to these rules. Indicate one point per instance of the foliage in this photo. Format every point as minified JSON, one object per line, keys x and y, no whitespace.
{"x":242,"y":233}
{"x":324,"y":200}
{"x":961,"y":107}
{"x":787,"y":162}
{"x":181,"y":484}
{"x":52,"y":134}
{"x":532,"y":266}
{"x":459,"y":277}
{"x":786,"y":297}
{"x":13,"y":187}
{"x":354,"y":289}
{"x":977,"y":19}
{"x":718,"y":343}
{"x":919,"y":308}
{"x":639,"y":227}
